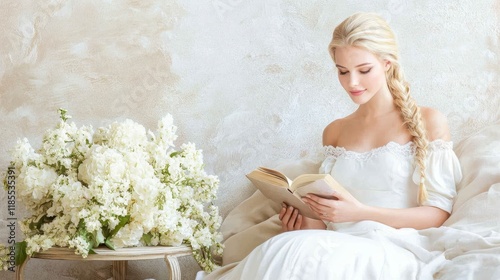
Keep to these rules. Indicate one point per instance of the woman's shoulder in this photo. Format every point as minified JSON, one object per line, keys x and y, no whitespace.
{"x":332,"y":131}
{"x":436,"y":124}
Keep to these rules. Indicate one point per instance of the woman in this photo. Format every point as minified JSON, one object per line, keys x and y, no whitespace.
{"x":395,"y":158}
{"x":364,"y":51}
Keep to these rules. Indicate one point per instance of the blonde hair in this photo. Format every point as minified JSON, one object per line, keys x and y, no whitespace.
{"x":372,"y":33}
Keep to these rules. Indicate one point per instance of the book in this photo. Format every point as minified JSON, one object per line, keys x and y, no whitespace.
{"x":278,"y":187}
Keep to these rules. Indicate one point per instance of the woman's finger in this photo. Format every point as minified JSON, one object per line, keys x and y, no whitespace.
{"x":298,"y":222}
{"x":287,"y":221}
{"x":291,"y":219}
{"x":282,"y":212}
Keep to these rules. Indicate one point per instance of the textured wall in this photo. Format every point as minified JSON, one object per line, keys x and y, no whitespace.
{"x":250,"y":82}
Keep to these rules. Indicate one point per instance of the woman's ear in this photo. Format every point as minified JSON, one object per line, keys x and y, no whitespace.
{"x":387,"y":65}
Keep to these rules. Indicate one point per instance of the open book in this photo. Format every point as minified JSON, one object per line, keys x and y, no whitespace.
{"x":278,"y":187}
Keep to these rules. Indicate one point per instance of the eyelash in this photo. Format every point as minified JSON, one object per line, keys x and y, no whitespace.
{"x":362,"y":72}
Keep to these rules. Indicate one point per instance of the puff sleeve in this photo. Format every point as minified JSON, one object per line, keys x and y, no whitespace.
{"x":331,"y":153}
{"x":442,"y":172}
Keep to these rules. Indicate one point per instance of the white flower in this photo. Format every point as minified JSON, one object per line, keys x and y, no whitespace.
{"x":166,"y":132}
{"x":129,"y":235}
{"x":23,"y":153}
{"x":123,"y":136}
{"x":118,"y":185}
{"x":58,"y":144}
{"x":80,"y":244}
{"x":37,"y":243}
{"x":102,"y":164}
{"x":36,"y":182}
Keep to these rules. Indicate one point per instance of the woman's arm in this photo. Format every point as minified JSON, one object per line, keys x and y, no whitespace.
{"x":348,"y":209}
{"x":417,"y":217}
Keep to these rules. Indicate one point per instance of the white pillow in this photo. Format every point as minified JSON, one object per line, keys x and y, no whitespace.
{"x":479,"y":156}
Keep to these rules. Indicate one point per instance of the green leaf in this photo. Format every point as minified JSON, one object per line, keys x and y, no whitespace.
{"x":62,"y":114}
{"x":105,"y":232}
{"x":147,"y":238}
{"x":38,"y":224}
{"x":62,"y":169}
{"x":93,"y":241}
{"x":20,"y":249}
{"x":99,"y":237}
{"x":81,"y":224}
{"x":109,"y":244}
{"x":91,"y":244}
{"x":174,"y":154}
{"x":82,"y":231}
{"x":123,"y":221}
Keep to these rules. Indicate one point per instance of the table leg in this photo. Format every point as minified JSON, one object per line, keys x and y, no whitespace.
{"x":119,"y":270}
{"x":173,"y":267}
{"x":20,"y":270}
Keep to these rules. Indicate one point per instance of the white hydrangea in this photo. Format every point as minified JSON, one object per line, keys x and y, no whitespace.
{"x":23,"y":154}
{"x":129,"y":235}
{"x":34,"y":184}
{"x":87,"y":188}
{"x":124,"y":136}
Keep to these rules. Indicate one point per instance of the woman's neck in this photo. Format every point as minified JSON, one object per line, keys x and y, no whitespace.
{"x":381,"y":104}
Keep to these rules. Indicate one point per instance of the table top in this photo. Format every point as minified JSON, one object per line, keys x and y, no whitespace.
{"x":104,"y":253}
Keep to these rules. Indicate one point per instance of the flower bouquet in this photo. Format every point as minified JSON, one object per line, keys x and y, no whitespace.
{"x":118,"y":186}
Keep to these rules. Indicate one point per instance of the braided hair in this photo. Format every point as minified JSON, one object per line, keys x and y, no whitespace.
{"x":372,"y":33}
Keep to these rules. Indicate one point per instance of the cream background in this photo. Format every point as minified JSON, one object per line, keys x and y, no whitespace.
{"x":250,"y":82}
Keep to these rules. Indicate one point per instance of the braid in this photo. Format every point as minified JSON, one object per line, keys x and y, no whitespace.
{"x":412,"y":118}
{"x":373,"y":33}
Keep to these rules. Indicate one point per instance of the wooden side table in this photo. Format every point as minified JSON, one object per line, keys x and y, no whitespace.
{"x":119,"y":258}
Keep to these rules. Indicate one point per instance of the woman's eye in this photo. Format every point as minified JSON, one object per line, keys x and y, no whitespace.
{"x":365,"y":72}
{"x":343,"y":73}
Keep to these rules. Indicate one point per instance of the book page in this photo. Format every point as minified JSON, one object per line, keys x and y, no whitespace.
{"x":306,"y":179}
{"x":319,"y":187}
{"x":282,"y":195}
{"x":324,"y":186}
{"x":275,"y":173}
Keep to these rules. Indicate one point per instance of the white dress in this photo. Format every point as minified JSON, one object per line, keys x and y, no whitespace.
{"x":384,"y":177}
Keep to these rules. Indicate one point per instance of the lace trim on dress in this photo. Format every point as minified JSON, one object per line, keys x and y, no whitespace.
{"x":405,"y":150}
{"x":440,"y":145}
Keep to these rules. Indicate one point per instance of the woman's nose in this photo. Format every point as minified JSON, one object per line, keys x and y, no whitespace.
{"x":354,"y":80}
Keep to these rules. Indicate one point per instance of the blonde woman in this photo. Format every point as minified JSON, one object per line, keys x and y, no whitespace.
{"x":394,"y":157}
{"x":385,"y":143}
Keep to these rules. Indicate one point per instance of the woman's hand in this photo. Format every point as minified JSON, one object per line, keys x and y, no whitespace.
{"x":291,"y":219}
{"x":338,"y":210}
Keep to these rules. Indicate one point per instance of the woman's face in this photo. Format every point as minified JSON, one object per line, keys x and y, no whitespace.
{"x":361,"y":73}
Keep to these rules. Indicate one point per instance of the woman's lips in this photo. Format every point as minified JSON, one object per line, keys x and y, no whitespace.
{"x":357,"y":92}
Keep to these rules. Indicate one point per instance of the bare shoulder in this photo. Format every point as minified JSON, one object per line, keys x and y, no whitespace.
{"x":436,"y":124}
{"x":332,"y":132}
